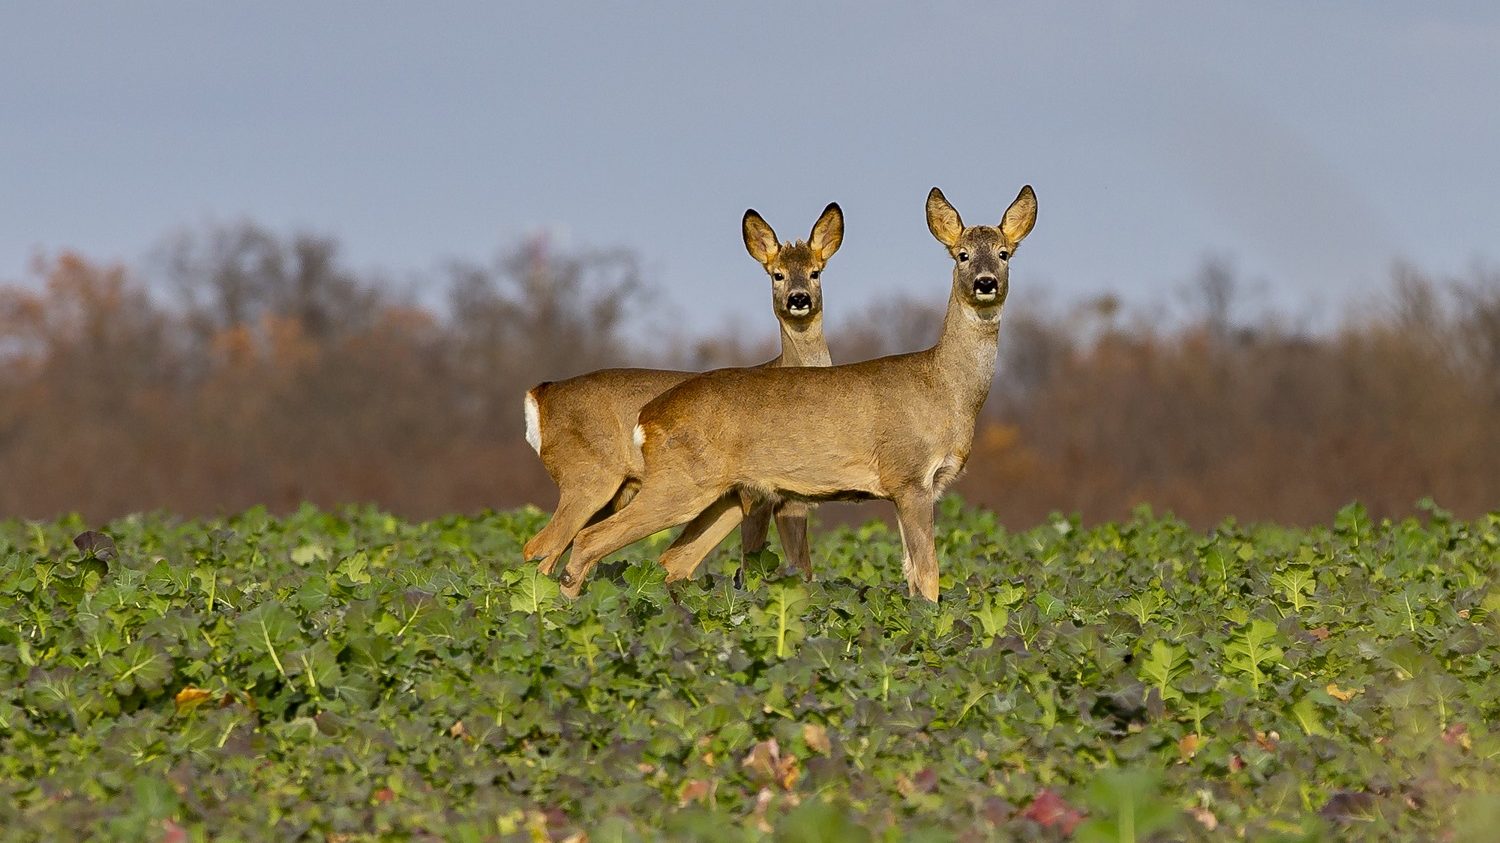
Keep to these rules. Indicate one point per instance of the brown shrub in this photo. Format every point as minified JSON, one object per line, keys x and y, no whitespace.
{"x":277,"y":376}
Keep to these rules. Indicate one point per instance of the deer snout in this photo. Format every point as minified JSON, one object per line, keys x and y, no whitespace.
{"x":986,"y":287}
{"x":799,"y":304}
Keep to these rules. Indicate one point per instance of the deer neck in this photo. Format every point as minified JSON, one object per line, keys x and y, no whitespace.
{"x":965,"y":353}
{"x":804,"y":344}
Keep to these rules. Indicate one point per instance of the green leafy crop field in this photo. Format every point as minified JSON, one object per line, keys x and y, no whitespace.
{"x":354,"y":677}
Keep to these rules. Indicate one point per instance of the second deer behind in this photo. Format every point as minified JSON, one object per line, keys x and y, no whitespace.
{"x":581,"y":427}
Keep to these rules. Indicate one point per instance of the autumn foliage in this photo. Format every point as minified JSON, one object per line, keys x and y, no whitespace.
{"x":244,"y":368}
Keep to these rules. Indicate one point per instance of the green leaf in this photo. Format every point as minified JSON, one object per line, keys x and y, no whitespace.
{"x":1163,"y":666}
{"x":1295,"y":584}
{"x":309,"y":553}
{"x":780,"y":621}
{"x":1253,"y":651}
{"x":992,"y":616}
{"x":355,"y":568}
{"x":1126,"y":806}
{"x":534,"y":592}
{"x":140,"y":666}
{"x":268,"y":630}
{"x":1308,"y":717}
{"x":646,"y":583}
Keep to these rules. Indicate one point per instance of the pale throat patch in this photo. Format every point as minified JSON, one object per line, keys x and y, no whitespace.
{"x":992,"y":318}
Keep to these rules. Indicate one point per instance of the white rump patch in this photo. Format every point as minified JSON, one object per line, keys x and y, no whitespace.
{"x":533,"y":424}
{"x":639,"y":437}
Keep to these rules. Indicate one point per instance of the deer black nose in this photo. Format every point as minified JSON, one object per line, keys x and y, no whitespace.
{"x":986,"y":285}
{"x":799,"y":301}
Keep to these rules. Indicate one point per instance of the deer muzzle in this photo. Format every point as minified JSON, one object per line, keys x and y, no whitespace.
{"x":799,"y":304}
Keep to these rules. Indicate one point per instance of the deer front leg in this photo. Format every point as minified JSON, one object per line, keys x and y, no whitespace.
{"x":700,"y":537}
{"x":914,"y":514}
{"x":577,"y":505}
{"x":791,"y":526}
{"x":655,"y":507}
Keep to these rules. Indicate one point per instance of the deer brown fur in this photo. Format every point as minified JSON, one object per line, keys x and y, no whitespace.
{"x":897,"y":428}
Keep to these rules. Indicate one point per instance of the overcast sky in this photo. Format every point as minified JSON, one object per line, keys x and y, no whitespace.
{"x":1311,"y":143}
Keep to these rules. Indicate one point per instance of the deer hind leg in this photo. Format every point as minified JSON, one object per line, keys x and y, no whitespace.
{"x":655,"y":507}
{"x":579,"y":503}
{"x":700,"y":537}
{"x":757,"y":526}
{"x":791,"y":527}
{"x":753,"y":533}
{"x":914,"y":514}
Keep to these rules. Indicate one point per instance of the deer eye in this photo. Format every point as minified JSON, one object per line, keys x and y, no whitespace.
{"x":814,"y":274}
{"x":778,"y":276}
{"x":1004,"y":255}
{"x":963,"y":256}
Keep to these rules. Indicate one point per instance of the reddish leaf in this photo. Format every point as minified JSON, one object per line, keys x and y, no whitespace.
{"x":95,"y":545}
{"x":1049,"y":810}
{"x":1458,"y":735}
{"x":1204,"y":817}
{"x":171,"y":832}
{"x":925,"y":780}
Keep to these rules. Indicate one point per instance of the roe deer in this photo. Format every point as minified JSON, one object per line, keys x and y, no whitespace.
{"x":581,"y":427}
{"x":897,"y":428}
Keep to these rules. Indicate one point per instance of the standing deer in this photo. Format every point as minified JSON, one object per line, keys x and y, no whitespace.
{"x":581,"y":427}
{"x":897,"y":428}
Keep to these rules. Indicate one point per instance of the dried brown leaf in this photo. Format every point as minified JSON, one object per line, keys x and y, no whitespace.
{"x":1187,"y":747}
{"x":817,"y":738}
{"x":694,"y":790}
{"x":1341,"y":694}
{"x":190,"y":698}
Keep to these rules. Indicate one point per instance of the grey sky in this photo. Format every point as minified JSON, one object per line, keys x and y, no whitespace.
{"x":1311,"y":143}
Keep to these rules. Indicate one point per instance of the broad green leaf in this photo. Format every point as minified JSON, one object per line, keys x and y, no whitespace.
{"x":534,"y":592}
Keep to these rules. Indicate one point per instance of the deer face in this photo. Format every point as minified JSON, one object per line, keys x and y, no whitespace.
{"x":796,"y":269}
{"x":981,"y":254}
{"x":796,"y":285}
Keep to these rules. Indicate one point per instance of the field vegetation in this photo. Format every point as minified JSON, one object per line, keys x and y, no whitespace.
{"x":355,"y":676}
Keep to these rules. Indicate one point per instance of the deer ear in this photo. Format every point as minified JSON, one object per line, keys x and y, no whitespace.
{"x":942,"y":220}
{"x":1019,"y":217}
{"x":828,"y":232}
{"x":760,"y":239}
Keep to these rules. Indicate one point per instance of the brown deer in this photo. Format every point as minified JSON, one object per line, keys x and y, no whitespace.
{"x":581,"y":427}
{"x":897,"y":428}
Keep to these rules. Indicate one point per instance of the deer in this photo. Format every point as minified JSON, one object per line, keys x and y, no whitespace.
{"x":897,"y":428}
{"x":581,"y":427}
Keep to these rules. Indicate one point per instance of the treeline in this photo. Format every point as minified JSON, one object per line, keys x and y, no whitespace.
{"x":243,"y":367}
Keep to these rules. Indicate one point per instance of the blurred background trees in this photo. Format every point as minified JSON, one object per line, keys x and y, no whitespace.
{"x":244,"y":367}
